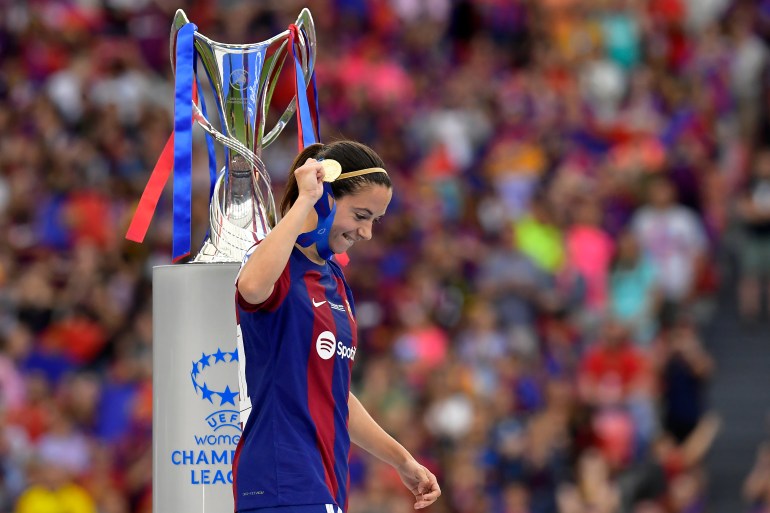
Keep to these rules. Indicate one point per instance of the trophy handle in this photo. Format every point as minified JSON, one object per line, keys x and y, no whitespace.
{"x":230,"y":142}
{"x":307,"y":52}
{"x":179,"y":21}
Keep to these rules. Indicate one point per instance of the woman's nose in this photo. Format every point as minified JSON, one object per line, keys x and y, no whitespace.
{"x":365,"y":232}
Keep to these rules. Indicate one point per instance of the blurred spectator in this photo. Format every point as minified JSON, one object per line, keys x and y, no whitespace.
{"x":590,"y":250}
{"x":616,"y":380}
{"x":511,"y":282}
{"x":754,"y":214}
{"x":53,"y":489}
{"x":621,"y":32}
{"x":15,"y":452}
{"x":422,"y":346}
{"x":678,"y":457}
{"x":750,"y":60}
{"x":756,"y":487}
{"x":593,"y":490}
{"x":603,"y":84}
{"x":450,"y":413}
{"x":633,"y":289}
{"x":687,"y":493}
{"x":684,"y":368}
{"x":12,"y":387}
{"x":613,"y":368}
{"x":673,"y":237}
{"x":538,"y":236}
{"x":64,"y":444}
{"x":515,"y":499}
{"x":480,"y":345}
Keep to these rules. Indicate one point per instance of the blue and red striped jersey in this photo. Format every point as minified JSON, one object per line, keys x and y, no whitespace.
{"x":298,"y":350}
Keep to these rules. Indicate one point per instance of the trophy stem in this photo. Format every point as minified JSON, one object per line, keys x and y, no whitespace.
{"x":238,"y":193}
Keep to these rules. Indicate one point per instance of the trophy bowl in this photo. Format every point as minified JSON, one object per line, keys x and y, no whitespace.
{"x":242,"y":79}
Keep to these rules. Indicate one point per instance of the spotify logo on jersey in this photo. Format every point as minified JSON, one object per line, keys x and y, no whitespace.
{"x":325,"y":345}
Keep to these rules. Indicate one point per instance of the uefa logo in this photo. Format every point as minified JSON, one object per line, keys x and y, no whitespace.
{"x":207,"y":457}
{"x":217,"y":395}
{"x":239,"y":78}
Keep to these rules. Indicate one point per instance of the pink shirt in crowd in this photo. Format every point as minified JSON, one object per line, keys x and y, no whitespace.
{"x":590,"y":250}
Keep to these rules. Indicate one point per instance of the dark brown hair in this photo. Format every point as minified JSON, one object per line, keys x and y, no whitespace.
{"x":352,"y":156}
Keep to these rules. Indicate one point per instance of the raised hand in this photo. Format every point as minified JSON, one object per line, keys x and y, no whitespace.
{"x":310,"y":180}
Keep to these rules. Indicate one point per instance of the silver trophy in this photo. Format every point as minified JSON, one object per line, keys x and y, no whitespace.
{"x":243,"y":77}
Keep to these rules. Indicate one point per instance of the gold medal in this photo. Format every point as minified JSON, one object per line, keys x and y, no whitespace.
{"x":332,"y":169}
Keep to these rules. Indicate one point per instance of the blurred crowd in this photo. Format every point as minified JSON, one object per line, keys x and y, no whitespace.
{"x":566,"y":174}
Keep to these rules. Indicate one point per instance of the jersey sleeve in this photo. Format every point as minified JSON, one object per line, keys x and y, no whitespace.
{"x":274,"y":300}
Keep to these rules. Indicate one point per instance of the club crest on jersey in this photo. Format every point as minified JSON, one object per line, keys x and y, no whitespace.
{"x":327,"y":345}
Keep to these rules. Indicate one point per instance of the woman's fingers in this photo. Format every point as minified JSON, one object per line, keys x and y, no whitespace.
{"x":429,"y":491}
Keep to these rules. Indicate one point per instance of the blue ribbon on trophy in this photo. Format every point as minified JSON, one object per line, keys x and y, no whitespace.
{"x":183,"y":118}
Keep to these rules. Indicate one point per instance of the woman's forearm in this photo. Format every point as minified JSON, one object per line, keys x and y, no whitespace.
{"x":367,"y":434}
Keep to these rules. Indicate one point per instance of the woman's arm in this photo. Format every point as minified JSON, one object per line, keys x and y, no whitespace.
{"x":367,"y":434}
{"x":265,"y":265}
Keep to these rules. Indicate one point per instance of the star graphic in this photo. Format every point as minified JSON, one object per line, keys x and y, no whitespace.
{"x":227,"y":396}
{"x":208,"y":393}
{"x":195,"y":385}
{"x":195,"y":370}
{"x":204,"y":361}
{"x":219,"y":356}
{"x":234,"y":356}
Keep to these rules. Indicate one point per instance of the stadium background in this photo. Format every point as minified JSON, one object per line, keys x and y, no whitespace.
{"x":530,"y":328}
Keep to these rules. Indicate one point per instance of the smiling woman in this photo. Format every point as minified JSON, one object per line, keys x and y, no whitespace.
{"x":299,"y":343}
{"x":354,"y":221}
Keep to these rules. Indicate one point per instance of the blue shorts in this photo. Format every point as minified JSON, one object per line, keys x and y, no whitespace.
{"x":305,"y":508}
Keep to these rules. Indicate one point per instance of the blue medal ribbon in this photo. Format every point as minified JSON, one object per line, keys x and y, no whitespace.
{"x":320,"y":236}
{"x":310,"y":134}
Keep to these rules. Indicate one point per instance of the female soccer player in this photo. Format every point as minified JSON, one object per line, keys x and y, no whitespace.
{"x":298,"y":327}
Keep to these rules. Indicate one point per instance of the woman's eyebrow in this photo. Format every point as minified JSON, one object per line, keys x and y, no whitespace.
{"x":365,"y":210}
